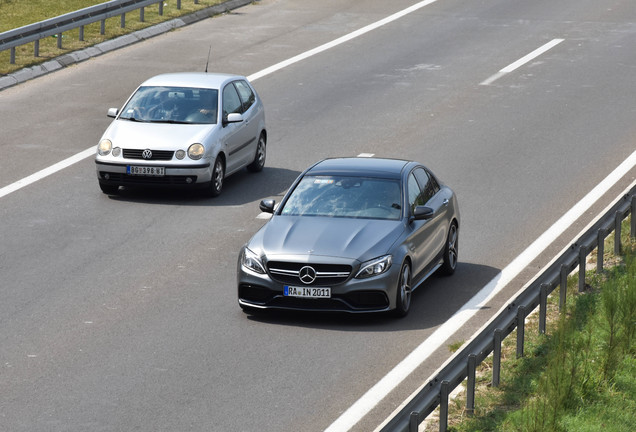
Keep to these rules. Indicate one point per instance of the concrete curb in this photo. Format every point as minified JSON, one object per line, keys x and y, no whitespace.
{"x":74,"y":57}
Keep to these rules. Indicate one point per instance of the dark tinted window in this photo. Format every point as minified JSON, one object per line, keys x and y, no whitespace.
{"x":427,"y":183}
{"x":415,"y":193}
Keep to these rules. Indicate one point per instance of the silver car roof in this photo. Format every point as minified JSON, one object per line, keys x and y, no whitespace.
{"x":192,"y":79}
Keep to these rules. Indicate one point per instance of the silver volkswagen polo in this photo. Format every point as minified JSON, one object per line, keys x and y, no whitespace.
{"x":351,"y":235}
{"x":183,"y":130}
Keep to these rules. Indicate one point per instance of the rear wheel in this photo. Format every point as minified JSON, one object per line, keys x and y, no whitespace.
{"x":259,"y":159}
{"x":451,"y":250}
{"x":403,"y":296}
{"x":218,"y":174}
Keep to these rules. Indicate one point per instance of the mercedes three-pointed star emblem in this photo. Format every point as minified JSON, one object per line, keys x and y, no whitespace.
{"x":307,"y":275}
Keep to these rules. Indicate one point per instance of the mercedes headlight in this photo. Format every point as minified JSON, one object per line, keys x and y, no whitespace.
{"x":375,"y":267}
{"x":252,"y":262}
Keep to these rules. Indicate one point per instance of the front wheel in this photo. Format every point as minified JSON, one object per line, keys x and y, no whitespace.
{"x":259,"y":159}
{"x":218,"y":174}
{"x":451,"y":250}
{"x":403,"y":296}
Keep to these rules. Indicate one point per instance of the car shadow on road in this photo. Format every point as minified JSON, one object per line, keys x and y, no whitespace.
{"x":433,"y":303}
{"x":240,"y":188}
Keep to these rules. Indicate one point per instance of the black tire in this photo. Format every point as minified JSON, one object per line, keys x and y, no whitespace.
{"x":109,"y":189}
{"x":451,"y":251}
{"x":259,"y":159}
{"x":218,"y":175}
{"x":404,"y":292}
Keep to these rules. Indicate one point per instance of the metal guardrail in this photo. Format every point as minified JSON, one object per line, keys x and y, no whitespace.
{"x":463,"y":364}
{"x":56,"y":26}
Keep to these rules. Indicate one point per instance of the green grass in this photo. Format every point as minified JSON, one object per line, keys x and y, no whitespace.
{"x":18,"y":13}
{"x":579,"y":376}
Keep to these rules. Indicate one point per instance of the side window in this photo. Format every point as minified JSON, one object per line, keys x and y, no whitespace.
{"x":231,"y":101}
{"x":246,"y":94}
{"x":434,"y":184}
{"x":415,"y":193}
{"x":428,"y":184}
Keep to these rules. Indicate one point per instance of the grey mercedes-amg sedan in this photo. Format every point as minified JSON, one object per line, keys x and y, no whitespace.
{"x":351,"y":235}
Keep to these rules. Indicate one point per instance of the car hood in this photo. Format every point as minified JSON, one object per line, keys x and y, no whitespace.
{"x":360,"y":239}
{"x":168,"y":136}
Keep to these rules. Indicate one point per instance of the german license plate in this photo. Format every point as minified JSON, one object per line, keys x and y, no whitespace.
{"x":146,"y":170}
{"x":307,"y":292}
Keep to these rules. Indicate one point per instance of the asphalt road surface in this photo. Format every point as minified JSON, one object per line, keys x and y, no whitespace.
{"x":120,"y":313}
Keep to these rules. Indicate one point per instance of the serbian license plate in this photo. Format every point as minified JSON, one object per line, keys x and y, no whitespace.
{"x":146,"y":170}
{"x":307,"y":292}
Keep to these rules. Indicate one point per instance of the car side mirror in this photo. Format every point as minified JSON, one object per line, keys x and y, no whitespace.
{"x":232,"y":118}
{"x":267,"y":205}
{"x":112,"y":112}
{"x":422,"y":213}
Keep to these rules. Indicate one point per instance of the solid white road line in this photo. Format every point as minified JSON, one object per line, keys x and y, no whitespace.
{"x":523,"y":60}
{"x":90,"y":151}
{"x":47,"y":171}
{"x":440,"y":336}
{"x":342,"y":39}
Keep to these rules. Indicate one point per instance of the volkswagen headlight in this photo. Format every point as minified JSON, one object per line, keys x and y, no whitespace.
{"x":196,"y":151}
{"x":104,"y":147}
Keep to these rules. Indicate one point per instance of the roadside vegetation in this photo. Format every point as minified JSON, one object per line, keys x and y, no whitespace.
{"x":18,"y":13}
{"x":579,"y":376}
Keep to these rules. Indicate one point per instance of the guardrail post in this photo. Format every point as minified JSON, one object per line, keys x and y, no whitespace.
{"x":496,"y":358}
{"x":414,"y":421}
{"x":161,"y":8}
{"x":582,"y":258}
{"x":521,"y":323}
{"x":123,"y":20}
{"x":59,"y":41}
{"x":102,"y":27}
{"x":443,"y":406}
{"x":81,"y":33}
{"x":600,"y":249}
{"x":617,"y":233}
{"x":12,"y":55}
{"x":470,"y":385}
{"x":36,"y":48}
{"x":141,"y":14}
{"x":633,"y":212}
{"x":564,"y":286}
{"x":543,"y":307}
{"x":178,"y":4}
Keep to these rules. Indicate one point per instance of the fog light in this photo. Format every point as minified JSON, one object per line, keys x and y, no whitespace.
{"x":107,"y":176}
{"x":188,"y":180}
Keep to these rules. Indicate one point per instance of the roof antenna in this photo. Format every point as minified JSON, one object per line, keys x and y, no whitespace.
{"x":206,"y":63}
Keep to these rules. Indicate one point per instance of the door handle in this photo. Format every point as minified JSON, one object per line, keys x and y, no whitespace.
{"x":445,"y":202}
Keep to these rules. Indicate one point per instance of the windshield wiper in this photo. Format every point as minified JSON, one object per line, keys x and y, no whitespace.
{"x":133,"y":118}
{"x":170,"y":121}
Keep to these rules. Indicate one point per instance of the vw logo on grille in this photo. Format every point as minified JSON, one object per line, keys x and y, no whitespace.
{"x":307,"y":275}
{"x":146,"y":154}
